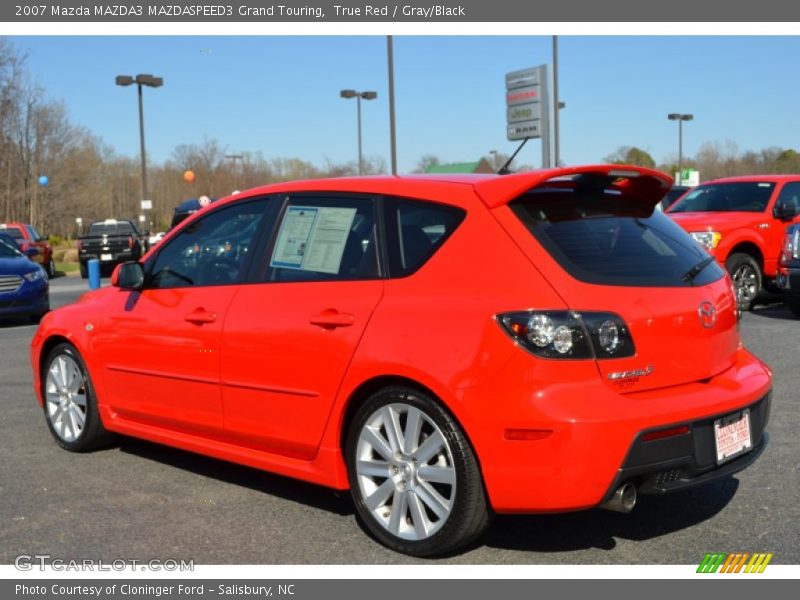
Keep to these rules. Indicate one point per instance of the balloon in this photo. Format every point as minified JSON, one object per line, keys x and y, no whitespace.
{"x":43,"y":181}
{"x":188,"y":176}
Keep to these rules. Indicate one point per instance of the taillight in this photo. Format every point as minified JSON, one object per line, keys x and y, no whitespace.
{"x":130,"y":241}
{"x":80,"y":245}
{"x":790,"y":250}
{"x":567,"y":334}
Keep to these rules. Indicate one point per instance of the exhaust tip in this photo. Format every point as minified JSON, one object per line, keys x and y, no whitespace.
{"x":623,"y":500}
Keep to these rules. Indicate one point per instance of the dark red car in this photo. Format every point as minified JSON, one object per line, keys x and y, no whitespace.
{"x":28,"y":237}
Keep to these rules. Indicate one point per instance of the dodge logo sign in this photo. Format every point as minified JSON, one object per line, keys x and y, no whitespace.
{"x":707,"y":314}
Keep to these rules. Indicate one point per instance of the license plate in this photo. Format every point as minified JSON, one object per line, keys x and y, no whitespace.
{"x":106,"y":257}
{"x":732,"y":435}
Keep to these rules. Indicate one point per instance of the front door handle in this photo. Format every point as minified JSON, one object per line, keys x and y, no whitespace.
{"x":330,"y":319}
{"x":200,"y":316}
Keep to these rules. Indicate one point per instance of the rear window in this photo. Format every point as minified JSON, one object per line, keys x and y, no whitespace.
{"x":122,"y":228}
{"x":749,"y":196}
{"x":34,"y":235}
{"x":600,"y":237}
{"x":14,"y":232}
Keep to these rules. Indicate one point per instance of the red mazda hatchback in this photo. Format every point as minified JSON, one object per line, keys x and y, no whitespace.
{"x":444,"y":347}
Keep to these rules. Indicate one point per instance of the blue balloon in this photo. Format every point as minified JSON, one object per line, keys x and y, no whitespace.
{"x":43,"y":181}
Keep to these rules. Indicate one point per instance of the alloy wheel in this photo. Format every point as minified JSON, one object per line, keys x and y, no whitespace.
{"x":746,"y":280}
{"x":65,"y":397}
{"x":405,"y":471}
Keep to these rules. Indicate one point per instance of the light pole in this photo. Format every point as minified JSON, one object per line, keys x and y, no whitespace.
{"x":234,"y":158}
{"x":493,"y":154}
{"x":392,"y":130}
{"x":556,"y":106}
{"x":149,"y":81}
{"x":680,"y":118}
{"x":358,"y":96}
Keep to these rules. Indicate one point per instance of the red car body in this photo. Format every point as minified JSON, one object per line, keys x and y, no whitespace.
{"x":755,"y":231}
{"x":269,"y":374}
{"x":28,"y":237}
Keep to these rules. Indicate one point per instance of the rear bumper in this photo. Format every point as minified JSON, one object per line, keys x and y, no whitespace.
{"x":689,"y":460}
{"x":592,"y":433}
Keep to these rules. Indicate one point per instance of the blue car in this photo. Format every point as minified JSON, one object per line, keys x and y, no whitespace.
{"x":24,"y":289}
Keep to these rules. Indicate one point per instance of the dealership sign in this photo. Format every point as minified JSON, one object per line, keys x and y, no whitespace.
{"x":526,"y":104}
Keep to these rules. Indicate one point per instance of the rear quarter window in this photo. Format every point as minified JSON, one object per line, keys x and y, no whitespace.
{"x":415,"y":230}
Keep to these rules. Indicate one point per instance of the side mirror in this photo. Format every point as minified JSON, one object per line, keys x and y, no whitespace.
{"x":30,"y":251}
{"x":785,"y":211}
{"x":128,"y":276}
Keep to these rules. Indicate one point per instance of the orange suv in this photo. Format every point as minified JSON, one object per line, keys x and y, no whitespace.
{"x":741,"y":222}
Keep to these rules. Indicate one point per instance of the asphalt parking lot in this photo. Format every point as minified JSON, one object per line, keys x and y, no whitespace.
{"x":140,"y":501}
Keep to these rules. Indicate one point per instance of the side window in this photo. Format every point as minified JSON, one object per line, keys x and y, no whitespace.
{"x":790,"y":194}
{"x":415,"y":230}
{"x":211,"y":251}
{"x":324,"y":239}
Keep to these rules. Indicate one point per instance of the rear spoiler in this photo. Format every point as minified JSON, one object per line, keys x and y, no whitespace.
{"x":647,"y":186}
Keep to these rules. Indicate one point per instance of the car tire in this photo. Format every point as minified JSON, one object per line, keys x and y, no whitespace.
{"x":70,"y":403}
{"x":794,"y":305}
{"x":433,"y":475}
{"x":51,"y":268}
{"x":747,"y":278}
{"x":84,"y":271}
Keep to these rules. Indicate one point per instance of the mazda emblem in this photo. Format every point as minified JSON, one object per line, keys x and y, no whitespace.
{"x":707,"y":314}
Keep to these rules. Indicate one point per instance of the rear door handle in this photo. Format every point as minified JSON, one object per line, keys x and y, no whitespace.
{"x":332,"y":319}
{"x":199,"y":316}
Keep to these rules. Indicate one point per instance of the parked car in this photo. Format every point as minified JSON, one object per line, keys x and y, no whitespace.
{"x":189,"y":207}
{"x":30,"y":251}
{"x":24,"y":290}
{"x":740,"y":221}
{"x":27,"y":236}
{"x":443,"y":347}
{"x":675,"y":192}
{"x":111,"y":242}
{"x":789,"y":269}
{"x":155,"y":238}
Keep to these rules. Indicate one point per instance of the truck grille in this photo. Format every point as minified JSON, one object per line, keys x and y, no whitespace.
{"x":10,"y":283}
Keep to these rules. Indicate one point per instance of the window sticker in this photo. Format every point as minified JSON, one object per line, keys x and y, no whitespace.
{"x":313,"y":238}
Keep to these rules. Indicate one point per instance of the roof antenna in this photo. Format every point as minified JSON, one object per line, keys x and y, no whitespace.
{"x":504,"y":170}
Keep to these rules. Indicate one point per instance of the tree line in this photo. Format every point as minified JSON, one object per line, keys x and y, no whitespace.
{"x":88,"y":179}
{"x":714,"y":160}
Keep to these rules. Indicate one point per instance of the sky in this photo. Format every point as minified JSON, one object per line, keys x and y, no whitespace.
{"x":279,"y":95}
